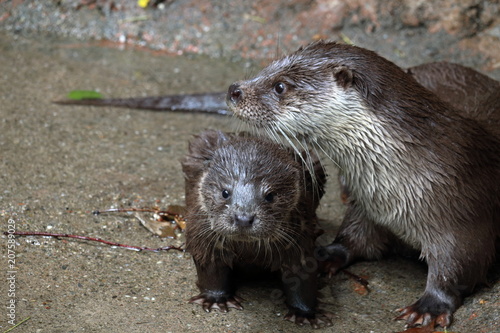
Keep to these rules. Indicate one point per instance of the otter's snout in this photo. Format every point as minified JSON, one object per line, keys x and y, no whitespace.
{"x":243,"y":220}
{"x":234,"y":94}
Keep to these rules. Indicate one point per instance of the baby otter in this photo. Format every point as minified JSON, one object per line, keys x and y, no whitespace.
{"x":251,"y":203}
{"x":417,"y":169}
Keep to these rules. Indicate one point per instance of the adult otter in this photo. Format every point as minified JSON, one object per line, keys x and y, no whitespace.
{"x":417,"y":169}
{"x":251,"y":204}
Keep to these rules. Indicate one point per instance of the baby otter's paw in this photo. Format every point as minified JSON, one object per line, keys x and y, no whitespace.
{"x":221,"y":302}
{"x":316,"y":319}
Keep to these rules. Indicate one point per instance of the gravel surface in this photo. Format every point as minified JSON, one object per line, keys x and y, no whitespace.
{"x":59,"y":163}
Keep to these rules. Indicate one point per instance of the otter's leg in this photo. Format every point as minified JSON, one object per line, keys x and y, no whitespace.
{"x":358,"y":238}
{"x":216,"y":287}
{"x":454,"y":271}
{"x":301,"y":292}
{"x":436,"y":306}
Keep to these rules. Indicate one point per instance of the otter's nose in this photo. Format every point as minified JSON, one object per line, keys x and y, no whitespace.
{"x":234,"y":94}
{"x":243,"y":220}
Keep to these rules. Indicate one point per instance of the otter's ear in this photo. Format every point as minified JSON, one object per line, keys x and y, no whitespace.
{"x":343,"y":76}
{"x":203,"y":146}
{"x":201,"y":149}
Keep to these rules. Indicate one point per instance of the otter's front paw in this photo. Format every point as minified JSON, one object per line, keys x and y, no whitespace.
{"x":428,"y":310}
{"x":332,"y":258}
{"x":316,"y":319}
{"x":218,"y":301}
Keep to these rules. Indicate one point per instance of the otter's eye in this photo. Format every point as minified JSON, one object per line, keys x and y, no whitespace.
{"x":279,"y":88}
{"x":269,"y":197}
{"x":225,"y":194}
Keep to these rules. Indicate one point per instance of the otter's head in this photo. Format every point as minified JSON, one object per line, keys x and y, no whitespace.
{"x":248,"y":190}
{"x":323,"y":90}
{"x":294,"y":93}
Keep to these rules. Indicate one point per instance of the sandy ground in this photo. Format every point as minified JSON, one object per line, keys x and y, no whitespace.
{"x":58,"y":164}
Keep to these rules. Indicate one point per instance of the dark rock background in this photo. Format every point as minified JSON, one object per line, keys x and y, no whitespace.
{"x":418,"y":31}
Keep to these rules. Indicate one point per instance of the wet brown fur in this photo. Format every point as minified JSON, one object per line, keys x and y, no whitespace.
{"x":420,"y":166}
{"x":246,"y":229}
{"x":474,"y":95}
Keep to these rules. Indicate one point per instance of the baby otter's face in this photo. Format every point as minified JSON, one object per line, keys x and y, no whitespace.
{"x":248,"y":192}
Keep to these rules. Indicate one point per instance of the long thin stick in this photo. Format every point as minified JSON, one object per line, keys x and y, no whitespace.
{"x":126,"y":210}
{"x":130,"y":247}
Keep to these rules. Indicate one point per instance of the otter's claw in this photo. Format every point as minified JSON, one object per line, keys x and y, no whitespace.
{"x":317,"y":320}
{"x":221,"y":303}
{"x":414,"y":317}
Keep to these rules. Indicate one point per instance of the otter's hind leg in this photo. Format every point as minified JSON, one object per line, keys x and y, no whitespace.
{"x":358,"y":238}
